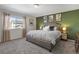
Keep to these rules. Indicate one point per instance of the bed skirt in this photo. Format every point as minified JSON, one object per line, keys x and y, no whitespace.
{"x":45,"y":44}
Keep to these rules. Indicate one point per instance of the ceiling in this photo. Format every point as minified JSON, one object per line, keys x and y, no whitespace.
{"x":43,"y":9}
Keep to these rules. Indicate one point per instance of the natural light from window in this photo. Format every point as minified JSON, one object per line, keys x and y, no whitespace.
{"x":16,"y":22}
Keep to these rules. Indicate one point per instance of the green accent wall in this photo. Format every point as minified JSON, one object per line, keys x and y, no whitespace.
{"x":39,"y":22}
{"x":70,"y":18}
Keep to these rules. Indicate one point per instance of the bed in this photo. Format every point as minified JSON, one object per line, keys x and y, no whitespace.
{"x":44,"y":38}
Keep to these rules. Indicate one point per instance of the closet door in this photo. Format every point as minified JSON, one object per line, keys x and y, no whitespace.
{"x":1,"y":26}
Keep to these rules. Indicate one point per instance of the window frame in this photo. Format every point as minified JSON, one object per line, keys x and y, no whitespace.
{"x":16,"y":18}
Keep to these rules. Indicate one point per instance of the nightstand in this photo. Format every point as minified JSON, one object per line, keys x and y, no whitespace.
{"x":64,"y":36}
{"x":64,"y":33}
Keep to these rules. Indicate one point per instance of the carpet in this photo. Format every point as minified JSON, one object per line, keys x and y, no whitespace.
{"x":21,"y":46}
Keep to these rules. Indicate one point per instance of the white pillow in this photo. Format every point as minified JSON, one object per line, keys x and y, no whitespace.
{"x":55,"y":28}
{"x":46,"y":28}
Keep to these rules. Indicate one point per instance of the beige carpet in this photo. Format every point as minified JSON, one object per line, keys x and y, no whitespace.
{"x":21,"y":46}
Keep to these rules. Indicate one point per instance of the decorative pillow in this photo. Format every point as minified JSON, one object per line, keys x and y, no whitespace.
{"x":51,"y":28}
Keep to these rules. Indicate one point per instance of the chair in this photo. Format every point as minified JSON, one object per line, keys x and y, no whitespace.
{"x":77,"y":42}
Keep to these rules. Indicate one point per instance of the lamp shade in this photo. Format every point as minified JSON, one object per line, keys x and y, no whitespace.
{"x":64,"y":28}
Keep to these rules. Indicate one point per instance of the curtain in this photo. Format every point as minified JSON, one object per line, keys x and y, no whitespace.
{"x":1,"y":30}
{"x":6,"y":31}
{"x":24,"y":27}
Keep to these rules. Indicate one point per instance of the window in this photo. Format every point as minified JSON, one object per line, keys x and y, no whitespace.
{"x":16,"y":22}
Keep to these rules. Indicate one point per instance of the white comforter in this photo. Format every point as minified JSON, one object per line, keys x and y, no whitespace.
{"x":45,"y":35}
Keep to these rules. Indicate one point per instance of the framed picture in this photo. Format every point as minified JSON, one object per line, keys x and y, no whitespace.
{"x":31,"y":22}
{"x":50,"y":18}
{"x":58,"y":17}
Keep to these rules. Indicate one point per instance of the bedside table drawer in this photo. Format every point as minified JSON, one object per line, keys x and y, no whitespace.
{"x":64,"y":36}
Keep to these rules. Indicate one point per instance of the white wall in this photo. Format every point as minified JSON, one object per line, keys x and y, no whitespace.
{"x":1,"y":25}
{"x":29,"y":27}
